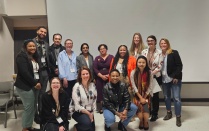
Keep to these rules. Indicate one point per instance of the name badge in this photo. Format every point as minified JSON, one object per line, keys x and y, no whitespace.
{"x":59,"y":120}
{"x":43,"y":59}
{"x":36,"y":75}
{"x":56,"y":63}
{"x":72,"y":70}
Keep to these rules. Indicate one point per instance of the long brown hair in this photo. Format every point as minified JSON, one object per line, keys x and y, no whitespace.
{"x":169,"y":50}
{"x":79,"y":79}
{"x":140,"y":47}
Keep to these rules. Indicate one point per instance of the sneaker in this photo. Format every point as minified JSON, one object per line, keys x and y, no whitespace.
{"x":168,"y":116}
{"x":178,"y":121}
{"x":154,"y":118}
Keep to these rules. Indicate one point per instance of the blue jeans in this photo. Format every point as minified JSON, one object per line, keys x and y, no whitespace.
{"x":83,"y":122}
{"x":110,"y":117}
{"x":176,"y":92}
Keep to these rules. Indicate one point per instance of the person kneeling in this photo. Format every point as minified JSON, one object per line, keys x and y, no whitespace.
{"x":117,"y":102}
{"x":84,"y":98}
{"x":55,"y":106}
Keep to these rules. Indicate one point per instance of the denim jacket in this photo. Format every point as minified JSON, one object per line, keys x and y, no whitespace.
{"x":116,"y":98}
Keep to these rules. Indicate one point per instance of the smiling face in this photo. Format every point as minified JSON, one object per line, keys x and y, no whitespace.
{"x":136,"y":40}
{"x":85,"y":75}
{"x":103,"y":50}
{"x":141,"y":64}
{"x":55,"y":84}
{"x":68,"y":45}
{"x":57,"y":40}
{"x":151,"y":43}
{"x":41,"y":33}
{"x":163,"y":45}
{"x":114,"y":77}
{"x":31,"y":48}
{"x":122,"y":51}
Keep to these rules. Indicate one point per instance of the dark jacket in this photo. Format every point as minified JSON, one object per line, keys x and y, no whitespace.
{"x":25,"y":76}
{"x":80,"y":61}
{"x":116,"y":98}
{"x":53,"y":60}
{"x":174,"y":65}
{"x":49,"y":107}
{"x":39,"y":53}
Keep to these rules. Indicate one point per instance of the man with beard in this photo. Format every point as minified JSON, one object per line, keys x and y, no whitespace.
{"x":54,"y":51}
{"x":42,"y":49}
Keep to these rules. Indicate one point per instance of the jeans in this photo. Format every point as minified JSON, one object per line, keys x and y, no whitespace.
{"x":83,"y":122}
{"x":176,"y":92}
{"x":110,"y":117}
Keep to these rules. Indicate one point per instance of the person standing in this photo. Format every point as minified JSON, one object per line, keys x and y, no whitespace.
{"x":155,"y":62}
{"x":101,"y":70}
{"x":85,"y":59}
{"x":67,"y":67}
{"x":42,"y":49}
{"x":137,"y":45}
{"x":54,"y":51}
{"x":172,"y":76}
{"x":28,"y":82}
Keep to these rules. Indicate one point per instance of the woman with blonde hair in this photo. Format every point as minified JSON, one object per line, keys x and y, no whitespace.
{"x":171,"y":79}
{"x":137,"y":45}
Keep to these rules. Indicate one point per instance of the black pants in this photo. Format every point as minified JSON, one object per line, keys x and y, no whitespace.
{"x":69,"y":89}
{"x":83,"y":122}
{"x":155,"y":98}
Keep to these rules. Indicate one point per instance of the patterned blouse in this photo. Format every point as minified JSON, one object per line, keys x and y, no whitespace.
{"x":84,"y":98}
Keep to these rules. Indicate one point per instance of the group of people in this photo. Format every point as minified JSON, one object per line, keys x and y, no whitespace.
{"x":125,"y":85}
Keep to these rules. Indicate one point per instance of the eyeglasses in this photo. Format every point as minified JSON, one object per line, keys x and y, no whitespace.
{"x":150,"y":40}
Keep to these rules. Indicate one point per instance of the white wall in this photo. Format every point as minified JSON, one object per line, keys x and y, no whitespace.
{"x":25,"y":7}
{"x":7,"y":50}
{"x":183,"y":22}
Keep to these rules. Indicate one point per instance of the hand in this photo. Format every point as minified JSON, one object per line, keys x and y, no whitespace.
{"x":91,"y":117}
{"x":121,"y":115}
{"x":61,"y":128}
{"x":175,"y":81}
{"x":56,"y":71}
{"x":104,"y":78}
{"x":154,"y":72}
{"x":142,"y":101}
{"x":38,"y":86}
{"x":65,"y":83}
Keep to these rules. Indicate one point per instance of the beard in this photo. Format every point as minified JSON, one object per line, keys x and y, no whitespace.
{"x":41,"y":37}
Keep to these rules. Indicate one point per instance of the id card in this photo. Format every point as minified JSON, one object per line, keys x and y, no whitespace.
{"x":72,"y":70}
{"x":59,"y":120}
{"x":43,"y":59}
{"x":36,"y":75}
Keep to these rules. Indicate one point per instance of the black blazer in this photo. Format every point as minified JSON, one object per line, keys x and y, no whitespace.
{"x":49,"y":107}
{"x":174,"y":65}
{"x":52,"y":58}
{"x":25,"y":76}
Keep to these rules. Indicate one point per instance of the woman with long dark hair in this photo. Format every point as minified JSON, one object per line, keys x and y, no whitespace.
{"x":141,"y":81}
{"x":85,"y":59}
{"x":28,"y":82}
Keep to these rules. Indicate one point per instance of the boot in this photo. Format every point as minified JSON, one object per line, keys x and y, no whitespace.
{"x":168,"y":116}
{"x":178,"y":121}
